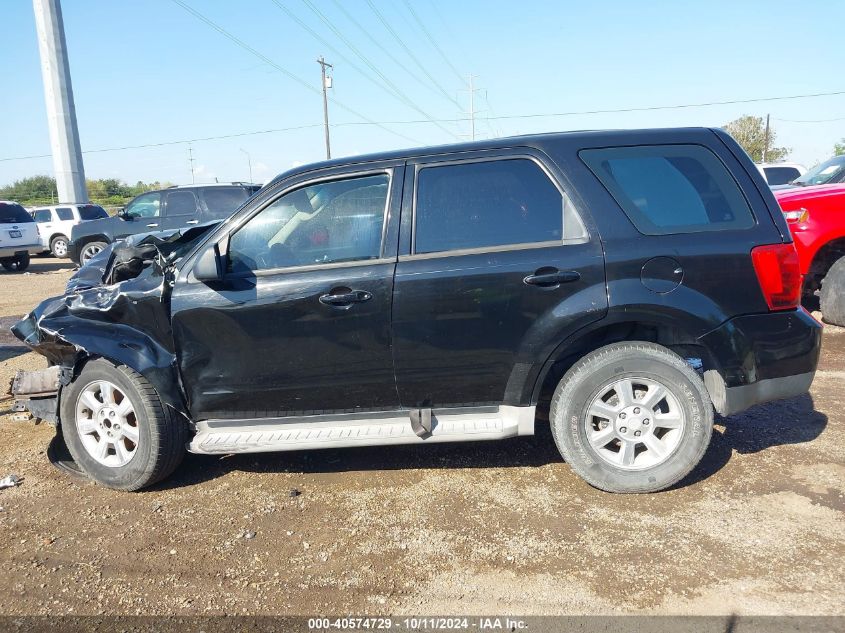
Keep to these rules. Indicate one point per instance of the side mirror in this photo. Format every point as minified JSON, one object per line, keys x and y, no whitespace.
{"x":207,"y":265}
{"x":121,"y":213}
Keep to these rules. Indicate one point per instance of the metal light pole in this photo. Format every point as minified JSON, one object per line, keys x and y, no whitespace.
{"x":249,"y":162}
{"x":58,"y":97}
{"x":326,"y":84}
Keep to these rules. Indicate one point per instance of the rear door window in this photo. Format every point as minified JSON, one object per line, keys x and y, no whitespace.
{"x":64,"y":213}
{"x":486,"y":205}
{"x":92,"y":212}
{"x":180,"y":203}
{"x":221,"y":202}
{"x":667,"y":189}
{"x":43,"y":215}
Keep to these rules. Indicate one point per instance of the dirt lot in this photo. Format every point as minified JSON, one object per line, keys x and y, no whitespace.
{"x":504,"y":527}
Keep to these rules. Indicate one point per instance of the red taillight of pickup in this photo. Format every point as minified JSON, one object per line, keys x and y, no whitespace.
{"x":779,"y":275}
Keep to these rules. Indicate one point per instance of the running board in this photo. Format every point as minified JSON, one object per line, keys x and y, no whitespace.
{"x":355,"y":429}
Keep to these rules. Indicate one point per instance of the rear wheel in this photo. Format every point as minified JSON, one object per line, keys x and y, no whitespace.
{"x":89,"y":250}
{"x":632,"y":417}
{"x":58,"y":246}
{"x":117,"y":429}
{"x":16,"y":264}
{"x":832,"y":295}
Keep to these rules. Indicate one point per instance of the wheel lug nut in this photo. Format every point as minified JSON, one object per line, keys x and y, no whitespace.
{"x":637,"y":433}
{"x":636,"y":410}
{"x":624,"y":429}
{"x":646,"y":421}
{"x":622,"y":416}
{"x":111,"y":414}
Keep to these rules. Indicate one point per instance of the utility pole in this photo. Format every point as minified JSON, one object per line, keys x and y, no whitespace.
{"x":471,"y":108}
{"x":766,"y":139}
{"x":58,"y":97}
{"x":249,"y":162}
{"x":327,"y":83}
{"x":191,"y":161}
{"x":472,"y":111}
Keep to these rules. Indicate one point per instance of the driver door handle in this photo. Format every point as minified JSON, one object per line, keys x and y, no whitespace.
{"x":192,"y":222}
{"x":152,"y":224}
{"x":344,"y":298}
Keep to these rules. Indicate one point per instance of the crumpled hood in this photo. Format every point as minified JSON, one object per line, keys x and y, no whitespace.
{"x":127,"y":257}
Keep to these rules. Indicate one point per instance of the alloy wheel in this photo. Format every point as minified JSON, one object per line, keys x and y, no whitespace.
{"x":107,"y":424}
{"x":634,"y":423}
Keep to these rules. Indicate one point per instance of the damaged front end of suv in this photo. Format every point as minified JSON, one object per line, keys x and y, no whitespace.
{"x":115,"y":307}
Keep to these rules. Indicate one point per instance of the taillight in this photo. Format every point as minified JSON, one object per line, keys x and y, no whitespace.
{"x":797,"y":216}
{"x":779,"y":275}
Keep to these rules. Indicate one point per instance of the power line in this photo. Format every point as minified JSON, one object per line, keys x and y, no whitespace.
{"x":390,"y":55}
{"x":810,"y":120}
{"x":404,"y":46}
{"x":425,"y":121}
{"x":389,"y":86}
{"x":431,"y":39}
{"x":281,"y":69}
{"x":671,"y":107}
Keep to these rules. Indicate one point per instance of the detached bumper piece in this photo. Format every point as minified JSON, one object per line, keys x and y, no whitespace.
{"x":38,"y":392}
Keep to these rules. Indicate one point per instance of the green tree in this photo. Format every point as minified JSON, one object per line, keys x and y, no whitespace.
{"x":839,"y":148}
{"x":37,"y":189}
{"x":750,"y":133}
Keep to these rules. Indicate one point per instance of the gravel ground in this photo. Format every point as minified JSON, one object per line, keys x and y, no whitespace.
{"x":500,"y":527}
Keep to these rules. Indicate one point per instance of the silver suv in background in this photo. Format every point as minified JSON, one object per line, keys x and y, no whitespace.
{"x":56,"y":221}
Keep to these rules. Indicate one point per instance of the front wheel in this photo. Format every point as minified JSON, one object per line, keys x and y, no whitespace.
{"x":89,"y":250}
{"x":117,"y":429}
{"x":632,"y":417}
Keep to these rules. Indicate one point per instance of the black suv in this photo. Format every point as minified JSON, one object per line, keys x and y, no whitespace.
{"x":167,"y":209}
{"x":625,"y":283}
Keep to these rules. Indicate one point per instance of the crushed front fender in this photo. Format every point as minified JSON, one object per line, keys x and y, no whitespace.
{"x":125,"y":320}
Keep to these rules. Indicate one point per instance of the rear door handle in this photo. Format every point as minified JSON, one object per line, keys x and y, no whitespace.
{"x":551,"y":278}
{"x":344,"y":298}
{"x":192,"y":222}
{"x":153,"y":225}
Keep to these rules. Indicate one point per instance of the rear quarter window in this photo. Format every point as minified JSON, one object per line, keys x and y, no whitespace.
{"x":667,"y":189}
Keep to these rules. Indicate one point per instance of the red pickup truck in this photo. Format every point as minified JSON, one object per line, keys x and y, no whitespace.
{"x":816,"y":216}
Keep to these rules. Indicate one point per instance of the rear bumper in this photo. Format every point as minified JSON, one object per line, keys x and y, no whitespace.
{"x":11,"y":251}
{"x":761,"y":357}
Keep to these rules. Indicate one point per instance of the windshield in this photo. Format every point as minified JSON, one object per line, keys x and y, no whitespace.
{"x":826,"y":172}
{"x":11,"y":213}
{"x":92,"y":212}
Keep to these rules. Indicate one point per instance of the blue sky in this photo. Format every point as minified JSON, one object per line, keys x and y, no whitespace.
{"x":149,"y":72}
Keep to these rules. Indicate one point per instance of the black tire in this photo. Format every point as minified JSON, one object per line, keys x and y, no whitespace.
{"x":16,"y":264}
{"x":832,"y":295}
{"x":633,"y":360}
{"x":87,"y":251}
{"x":58,"y":246}
{"x":161,"y":434}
